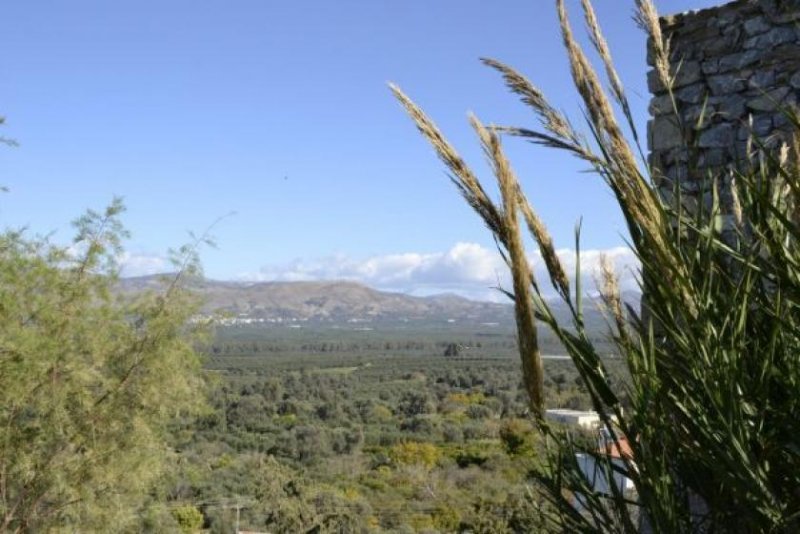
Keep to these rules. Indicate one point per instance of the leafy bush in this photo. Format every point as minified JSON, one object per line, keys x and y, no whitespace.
{"x":515,"y":434}
{"x":189,"y":518}
{"x":415,"y":453}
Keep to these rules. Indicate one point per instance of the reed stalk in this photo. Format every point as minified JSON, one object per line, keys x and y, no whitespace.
{"x":712,"y":405}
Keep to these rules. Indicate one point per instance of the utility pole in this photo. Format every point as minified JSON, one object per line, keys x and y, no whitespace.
{"x":238,"y":507}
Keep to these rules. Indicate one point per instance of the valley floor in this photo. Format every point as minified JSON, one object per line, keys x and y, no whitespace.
{"x":332,"y":431}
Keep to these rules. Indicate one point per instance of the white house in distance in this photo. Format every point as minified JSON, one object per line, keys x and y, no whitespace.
{"x":587,"y":420}
{"x":594,"y":473}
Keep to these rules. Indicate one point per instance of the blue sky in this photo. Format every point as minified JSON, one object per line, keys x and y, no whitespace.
{"x":279,"y":112}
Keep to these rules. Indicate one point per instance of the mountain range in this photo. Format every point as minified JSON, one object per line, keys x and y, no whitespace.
{"x":343,"y":301}
{"x":328,"y":301}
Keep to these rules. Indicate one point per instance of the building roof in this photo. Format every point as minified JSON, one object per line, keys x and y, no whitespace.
{"x":619,"y":449}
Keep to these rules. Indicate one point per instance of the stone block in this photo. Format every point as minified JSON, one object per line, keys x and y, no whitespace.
{"x":790,"y":100}
{"x":690,"y":186}
{"x":739,"y":60}
{"x":674,"y":156}
{"x":794,"y":81}
{"x":786,"y":18}
{"x":710,"y":66}
{"x":714,"y":157}
{"x":664,"y":133}
{"x":769,"y":101}
{"x":729,"y":107}
{"x":661,"y":105}
{"x":718,"y":136}
{"x":654,"y":84}
{"x":682,"y":49}
{"x":772,"y":38}
{"x":763,"y":79}
{"x":729,"y":17}
{"x":756,"y":25}
{"x":743,"y":133}
{"x":784,"y":52}
{"x":735,"y":36}
{"x":680,"y":155}
{"x":698,"y":117}
{"x":684,"y":73}
{"x":726,"y":84}
{"x":762,"y":125}
{"x":740,"y":152}
{"x":717,"y":46}
{"x":781,"y":11}
{"x":700,"y":33}
{"x":692,"y":94}
{"x":781,"y":120}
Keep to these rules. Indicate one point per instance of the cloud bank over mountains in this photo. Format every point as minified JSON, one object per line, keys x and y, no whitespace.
{"x":467,"y":269}
{"x":140,"y":264}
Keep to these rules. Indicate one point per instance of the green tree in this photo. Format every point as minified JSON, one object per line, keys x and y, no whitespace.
{"x":452,"y":350}
{"x":89,"y":379}
{"x":189,"y":518}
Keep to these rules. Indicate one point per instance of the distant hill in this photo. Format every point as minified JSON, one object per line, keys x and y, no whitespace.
{"x":341,"y":301}
{"x":335,"y":301}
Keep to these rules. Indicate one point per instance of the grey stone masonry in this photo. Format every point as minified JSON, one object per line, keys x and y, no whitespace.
{"x":736,"y":68}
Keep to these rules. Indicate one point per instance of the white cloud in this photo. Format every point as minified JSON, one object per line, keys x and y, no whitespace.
{"x":622,"y":259}
{"x":138,"y":264}
{"x":466,"y":269}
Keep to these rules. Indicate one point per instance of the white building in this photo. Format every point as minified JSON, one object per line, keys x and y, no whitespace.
{"x":586,"y":420}
{"x":594,"y":471}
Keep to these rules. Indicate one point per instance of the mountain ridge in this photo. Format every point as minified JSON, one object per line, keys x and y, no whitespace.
{"x":326,"y":300}
{"x":349,"y":301}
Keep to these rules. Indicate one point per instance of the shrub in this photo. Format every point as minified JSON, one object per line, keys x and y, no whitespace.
{"x":415,"y":453}
{"x":515,"y":434}
{"x":189,"y":518}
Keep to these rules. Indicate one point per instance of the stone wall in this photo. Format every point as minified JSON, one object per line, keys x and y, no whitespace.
{"x":735,"y":65}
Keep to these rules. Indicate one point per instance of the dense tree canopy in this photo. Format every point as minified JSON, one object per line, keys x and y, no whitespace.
{"x":89,"y":380}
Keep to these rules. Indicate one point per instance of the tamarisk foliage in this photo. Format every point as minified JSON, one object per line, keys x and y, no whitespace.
{"x":89,"y":380}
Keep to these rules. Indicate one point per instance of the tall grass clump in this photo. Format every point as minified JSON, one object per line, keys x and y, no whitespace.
{"x":713,"y":411}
